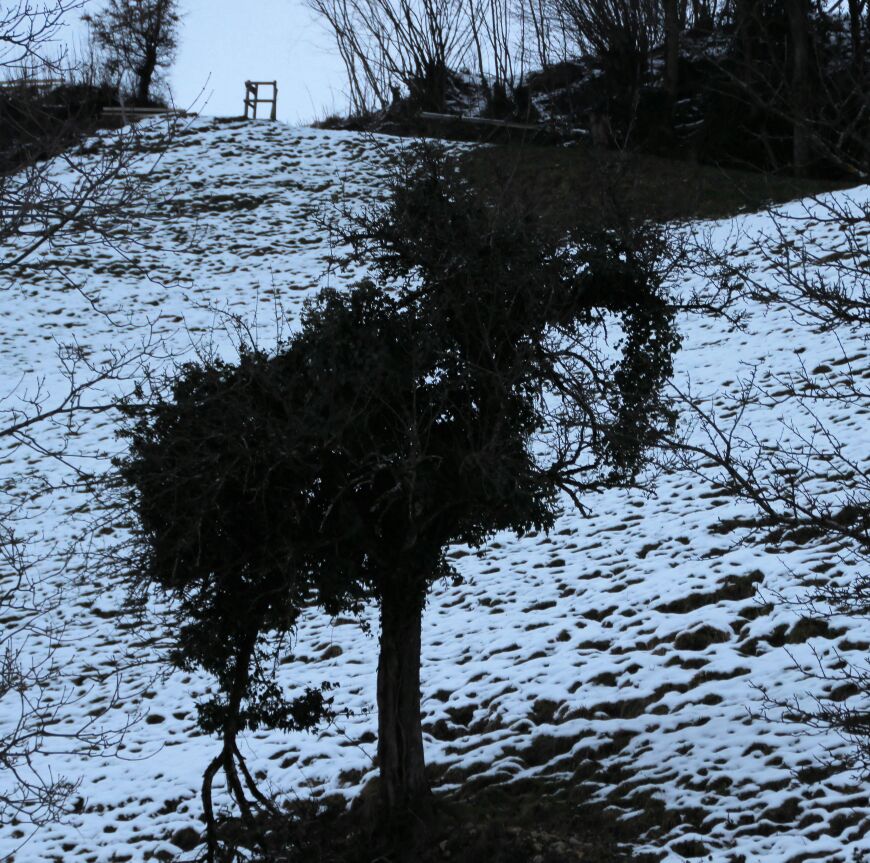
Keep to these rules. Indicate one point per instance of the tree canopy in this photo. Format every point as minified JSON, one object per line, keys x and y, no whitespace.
{"x":465,"y":388}
{"x":137,"y":38}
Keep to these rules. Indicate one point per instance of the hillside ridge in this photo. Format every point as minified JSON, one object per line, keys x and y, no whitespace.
{"x":622,"y":653}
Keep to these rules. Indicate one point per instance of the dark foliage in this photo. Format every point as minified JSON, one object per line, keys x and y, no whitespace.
{"x":217,"y":493}
{"x":462,"y":391}
{"x":138,"y":40}
{"x":37,"y":124}
{"x":226,"y":555}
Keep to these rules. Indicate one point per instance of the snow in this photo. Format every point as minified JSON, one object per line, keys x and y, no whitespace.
{"x":569,"y":636}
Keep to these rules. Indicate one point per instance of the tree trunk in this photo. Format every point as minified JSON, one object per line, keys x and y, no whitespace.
{"x":672,"y":47}
{"x":746,"y":27}
{"x":400,"y":736}
{"x":798,"y":22}
{"x":145,"y":74}
{"x":231,"y":724}
{"x":855,"y":33}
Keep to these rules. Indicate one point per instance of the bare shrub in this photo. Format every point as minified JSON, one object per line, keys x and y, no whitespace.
{"x":138,"y":39}
{"x":49,"y":193}
{"x":807,"y":483}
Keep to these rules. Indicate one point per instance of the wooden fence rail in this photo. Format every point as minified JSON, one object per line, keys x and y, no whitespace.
{"x":31,"y":83}
{"x":481,"y":121}
{"x":132,"y":114}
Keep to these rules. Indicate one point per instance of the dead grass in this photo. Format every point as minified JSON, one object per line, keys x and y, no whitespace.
{"x":545,"y":820}
{"x":580,"y":184}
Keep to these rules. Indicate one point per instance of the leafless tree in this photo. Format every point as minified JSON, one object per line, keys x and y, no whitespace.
{"x":368,"y":77}
{"x":388,"y":44}
{"x":45,"y":204}
{"x":34,"y":708}
{"x":138,"y":38}
{"x":807,"y":483}
{"x":803,"y":66}
{"x":620,"y":32}
{"x":498,"y":36}
{"x":28,"y":35}
{"x":35,"y":696}
{"x":412,"y":47}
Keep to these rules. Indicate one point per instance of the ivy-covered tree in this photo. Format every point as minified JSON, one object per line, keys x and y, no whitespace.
{"x":468,"y":387}
{"x":217,"y":509}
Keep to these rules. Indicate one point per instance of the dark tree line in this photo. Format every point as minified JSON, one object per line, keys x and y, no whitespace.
{"x":767,"y":83}
{"x":50,"y":98}
{"x":462,"y":390}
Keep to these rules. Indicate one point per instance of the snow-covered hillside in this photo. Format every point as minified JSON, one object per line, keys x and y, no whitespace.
{"x":625,"y":645}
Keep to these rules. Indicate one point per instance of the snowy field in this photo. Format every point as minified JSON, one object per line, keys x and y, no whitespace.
{"x":628,"y":644}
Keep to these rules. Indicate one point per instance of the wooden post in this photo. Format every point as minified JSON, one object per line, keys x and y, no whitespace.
{"x":250,"y":98}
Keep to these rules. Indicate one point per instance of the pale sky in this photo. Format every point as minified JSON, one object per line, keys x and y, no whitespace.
{"x":234,"y":40}
{"x":224,"y":42}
